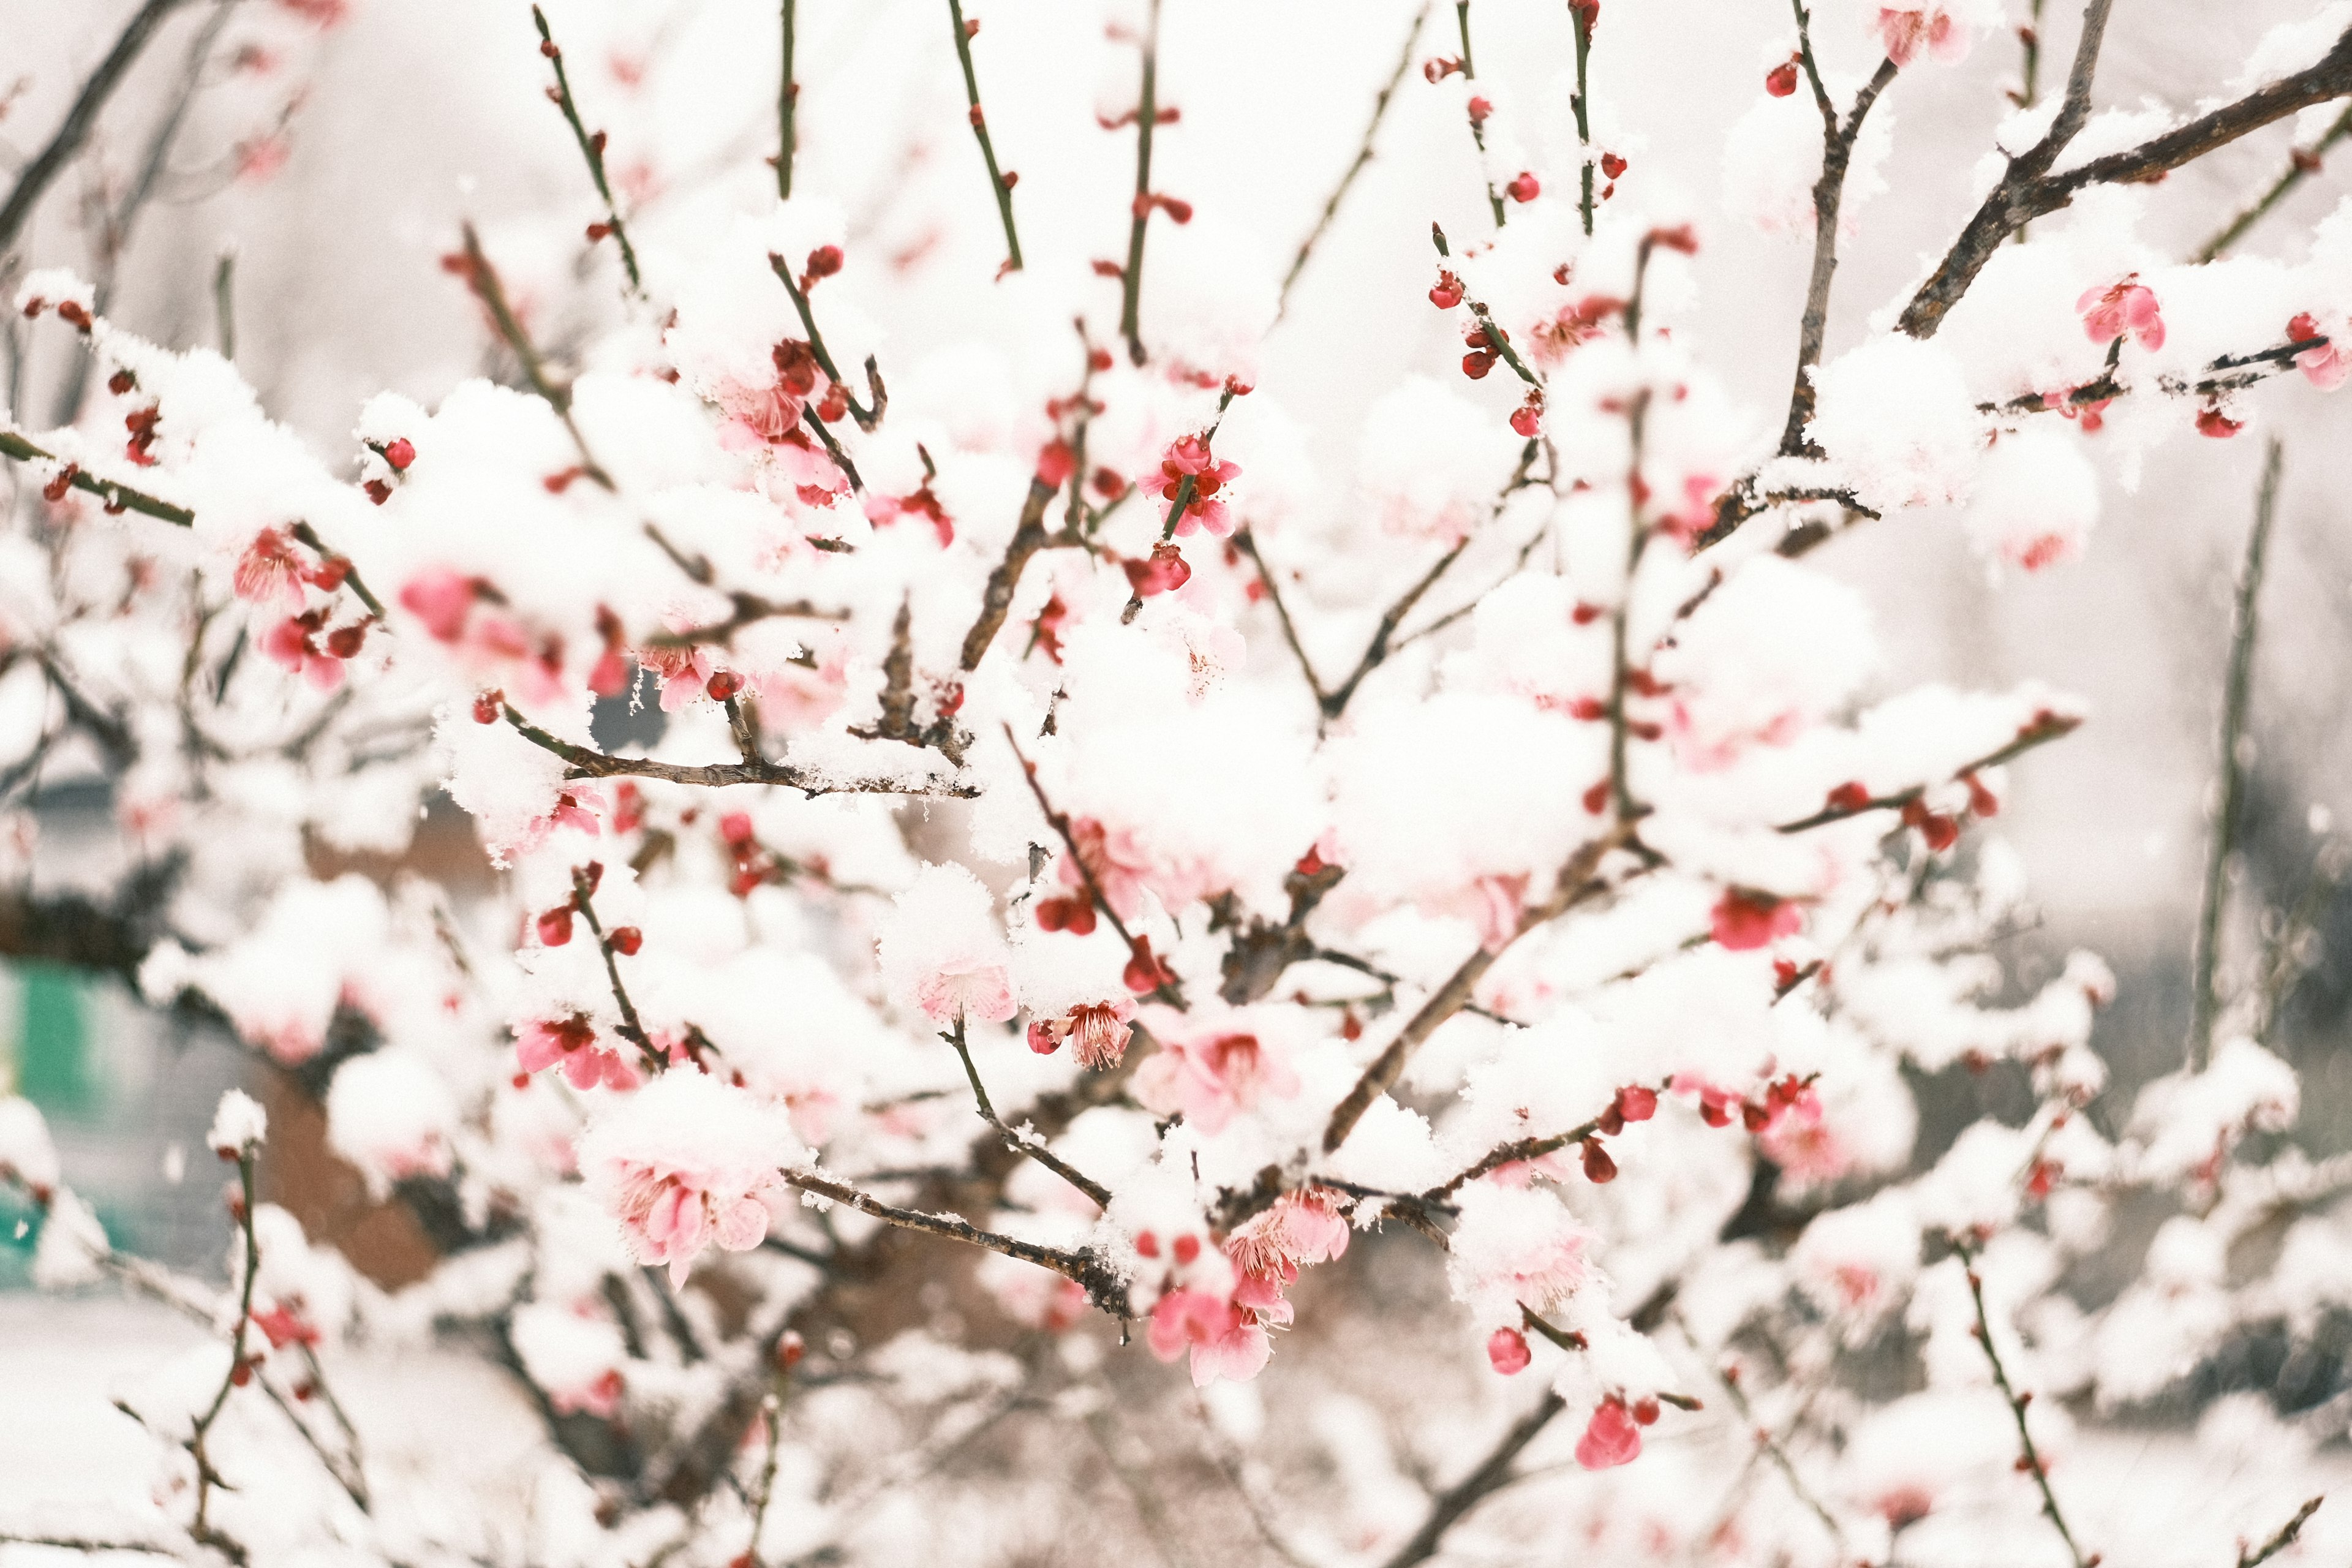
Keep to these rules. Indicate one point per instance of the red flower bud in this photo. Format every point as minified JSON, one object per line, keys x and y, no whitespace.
{"x":1599,"y":1168}
{"x":555,"y":926}
{"x":627,"y":940}
{"x":1781,"y":79}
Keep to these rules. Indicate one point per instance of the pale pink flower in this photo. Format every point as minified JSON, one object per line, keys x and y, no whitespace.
{"x":1805,"y":1147}
{"x":442,"y":598}
{"x":1226,"y":1340}
{"x":1303,"y":1227}
{"x":668,"y":1213}
{"x":967,"y":988}
{"x":1212,"y":1076}
{"x":1118,"y":858}
{"x":2129,"y":307}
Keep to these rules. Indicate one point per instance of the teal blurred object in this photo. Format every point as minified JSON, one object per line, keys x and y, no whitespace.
{"x":54,"y":1070}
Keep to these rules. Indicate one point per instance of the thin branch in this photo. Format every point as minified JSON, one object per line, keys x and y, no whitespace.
{"x":483,"y":279}
{"x":116,"y":496}
{"x":2302,"y":163}
{"x":999,"y":182}
{"x":868,"y":417}
{"x":51,"y":159}
{"x":225,"y":304}
{"x":1773,"y":1449}
{"x":591,"y":149}
{"x":1576,"y":884}
{"x":1580,"y":19}
{"x":2204,"y":997}
{"x":788,"y":97}
{"x":2032,"y":1460}
{"x":207,"y":1477}
{"x":587,"y":763}
{"x":2045,"y":727}
{"x":1837,"y":140}
{"x":2284,"y":1539}
{"x":2029,"y":190}
{"x":1027,"y":1148}
{"x":1492,"y":1474}
{"x":1147,"y":116}
{"x":1477,"y":131}
{"x":1363,"y":156}
{"x":1092,"y":1274}
{"x":1059,"y":821}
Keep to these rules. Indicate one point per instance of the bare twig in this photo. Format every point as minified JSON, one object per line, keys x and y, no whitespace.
{"x":1477,"y":131}
{"x":484,"y":280}
{"x":2302,"y":163}
{"x":2252,"y":1558}
{"x":1147,"y":118}
{"x":1092,"y":1274}
{"x":587,"y":763}
{"x":2045,"y":727}
{"x":1004,"y":577}
{"x":1838,"y":138}
{"x":1000,"y":184}
{"x":2204,"y":996}
{"x":591,"y":149}
{"x":1493,"y":1473}
{"x":116,"y":496}
{"x":2032,"y":1461}
{"x":1027,"y":1148}
{"x":788,"y":97}
{"x":1356,"y":167}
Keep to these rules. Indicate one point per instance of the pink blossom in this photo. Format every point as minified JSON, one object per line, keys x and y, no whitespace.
{"x":967,"y":988}
{"x":572,"y":1044}
{"x":1906,"y":29}
{"x":1210,"y":1075}
{"x":442,"y":598}
{"x":1226,"y":1340}
{"x":2327,"y":366}
{"x":1507,"y":1350}
{"x":1611,"y":1438}
{"x":294,"y":643}
{"x":1302,"y":1227}
{"x":1190,"y":459}
{"x":269,"y":572}
{"x":1118,"y":861}
{"x":668,"y":1213}
{"x":1802,"y":1143}
{"x":1098,"y":1032}
{"x":2129,"y":307}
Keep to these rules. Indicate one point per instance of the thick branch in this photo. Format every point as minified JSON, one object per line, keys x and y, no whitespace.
{"x":2029,"y":190}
